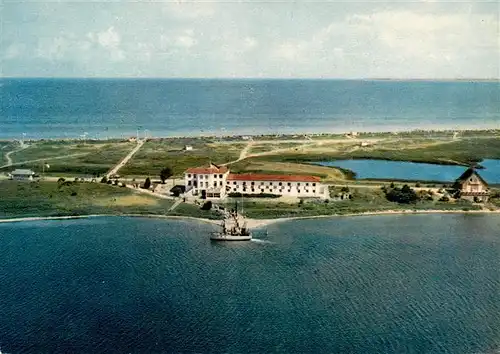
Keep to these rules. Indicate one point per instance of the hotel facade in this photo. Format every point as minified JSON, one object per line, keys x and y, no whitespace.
{"x":217,"y":182}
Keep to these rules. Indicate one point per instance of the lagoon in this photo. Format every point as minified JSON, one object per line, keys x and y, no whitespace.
{"x":403,"y":170}
{"x":368,"y":284}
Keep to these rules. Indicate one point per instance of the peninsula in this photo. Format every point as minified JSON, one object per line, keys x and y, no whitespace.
{"x":52,"y":178}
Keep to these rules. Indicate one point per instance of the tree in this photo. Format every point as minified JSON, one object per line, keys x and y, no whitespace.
{"x":147,"y":183}
{"x":165,"y":174}
{"x":404,"y":195}
{"x":104,"y":180}
{"x":207,"y":205}
{"x":344,"y":189}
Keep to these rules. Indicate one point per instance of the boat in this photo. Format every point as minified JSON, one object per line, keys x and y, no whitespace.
{"x":234,"y":228}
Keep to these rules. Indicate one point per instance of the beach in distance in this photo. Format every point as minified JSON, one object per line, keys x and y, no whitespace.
{"x":117,"y":108}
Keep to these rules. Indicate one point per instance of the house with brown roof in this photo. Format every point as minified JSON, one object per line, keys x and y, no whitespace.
{"x":471,"y":186}
{"x":216,"y":182}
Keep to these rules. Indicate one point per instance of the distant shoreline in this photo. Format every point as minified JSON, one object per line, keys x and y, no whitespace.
{"x":271,"y":135}
{"x":252,"y":223}
{"x":467,"y":79}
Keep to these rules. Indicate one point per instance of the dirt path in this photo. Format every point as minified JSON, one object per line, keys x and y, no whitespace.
{"x":44,"y":159}
{"x":177,"y":202}
{"x":243,"y":154}
{"x":9,"y":159}
{"x":126,"y":159}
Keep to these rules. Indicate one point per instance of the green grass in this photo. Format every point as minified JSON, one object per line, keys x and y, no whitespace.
{"x":30,"y":199}
{"x":457,"y":152}
{"x":21,"y":199}
{"x":99,"y":158}
{"x":364,"y":200}
{"x":46,"y":149}
{"x":194,"y":211}
{"x":158,"y":154}
{"x":5,"y":147}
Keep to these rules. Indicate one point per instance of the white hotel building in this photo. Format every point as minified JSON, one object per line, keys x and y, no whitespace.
{"x":206,"y":182}
{"x":217,"y":182}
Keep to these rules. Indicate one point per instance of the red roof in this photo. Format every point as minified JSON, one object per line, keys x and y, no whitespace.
{"x":207,"y":170}
{"x":280,"y":178}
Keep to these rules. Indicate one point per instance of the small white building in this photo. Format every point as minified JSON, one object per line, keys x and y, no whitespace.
{"x":294,"y":186}
{"x":206,"y":182}
{"x":188,"y":148}
{"x":22,"y":175}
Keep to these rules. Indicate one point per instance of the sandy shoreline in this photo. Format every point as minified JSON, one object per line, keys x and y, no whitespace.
{"x":254,"y":223}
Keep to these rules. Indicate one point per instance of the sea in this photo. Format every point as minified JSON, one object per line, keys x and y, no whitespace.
{"x":366,"y":284}
{"x":117,"y":108}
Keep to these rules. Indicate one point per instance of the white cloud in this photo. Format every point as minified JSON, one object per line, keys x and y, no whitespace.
{"x":185,"y":41}
{"x":395,"y":42}
{"x":109,"y":38}
{"x":52,"y":49}
{"x":223,"y":39}
{"x":250,"y":42}
{"x":14,"y":51}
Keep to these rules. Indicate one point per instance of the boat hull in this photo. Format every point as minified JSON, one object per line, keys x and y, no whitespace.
{"x":222,"y":237}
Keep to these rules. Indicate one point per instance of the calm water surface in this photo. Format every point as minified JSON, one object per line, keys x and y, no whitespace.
{"x":381,"y":169}
{"x":66,"y":108}
{"x":391,"y":284}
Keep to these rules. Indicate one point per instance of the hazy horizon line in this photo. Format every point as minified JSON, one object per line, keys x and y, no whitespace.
{"x":242,"y":78}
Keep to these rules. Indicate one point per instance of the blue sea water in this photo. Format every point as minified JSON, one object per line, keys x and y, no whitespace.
{"x":386,"y":284}
{"x":66,"y":108}
{"x":402,"y":170}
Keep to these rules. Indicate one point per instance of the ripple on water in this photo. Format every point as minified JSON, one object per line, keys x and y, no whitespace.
{"x":420,"y":283}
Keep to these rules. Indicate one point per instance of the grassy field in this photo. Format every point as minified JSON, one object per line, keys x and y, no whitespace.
{"x":462,"y":151}
{"x":259,"y":148}
{"x":287,"y":154}
{"x":364,"y":200}
{"x":95,"y":158}
{"x":28,"y":199}
{"x":5,"y":147}
{"x":158,"y":154}
{"x":254,"y":165}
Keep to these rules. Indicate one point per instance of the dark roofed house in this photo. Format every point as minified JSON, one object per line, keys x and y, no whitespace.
{"x":471,"y":186}
{"x":22,"y":175}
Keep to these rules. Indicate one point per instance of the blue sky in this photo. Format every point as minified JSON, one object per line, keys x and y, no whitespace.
{"x":278,"y":39}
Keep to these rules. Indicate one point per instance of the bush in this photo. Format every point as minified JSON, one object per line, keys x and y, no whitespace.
{"x":404,"y":195}
{"x":61,"y":180}
{"x":444,"y":198}
{"x":207,"y":205}
{"x":104,"y":180}
{"x":147,"y":183}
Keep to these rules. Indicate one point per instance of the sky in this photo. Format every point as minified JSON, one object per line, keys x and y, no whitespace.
{"x":258,"y":39}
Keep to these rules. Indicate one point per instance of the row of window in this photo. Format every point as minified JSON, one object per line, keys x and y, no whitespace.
{"x":206,"y":184}
{"x":203,"y":176}
{"x":274,"y":189}
{"x":279,"y":183}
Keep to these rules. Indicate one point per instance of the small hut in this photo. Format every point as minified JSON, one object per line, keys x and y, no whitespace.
{"x":471,"y":186}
